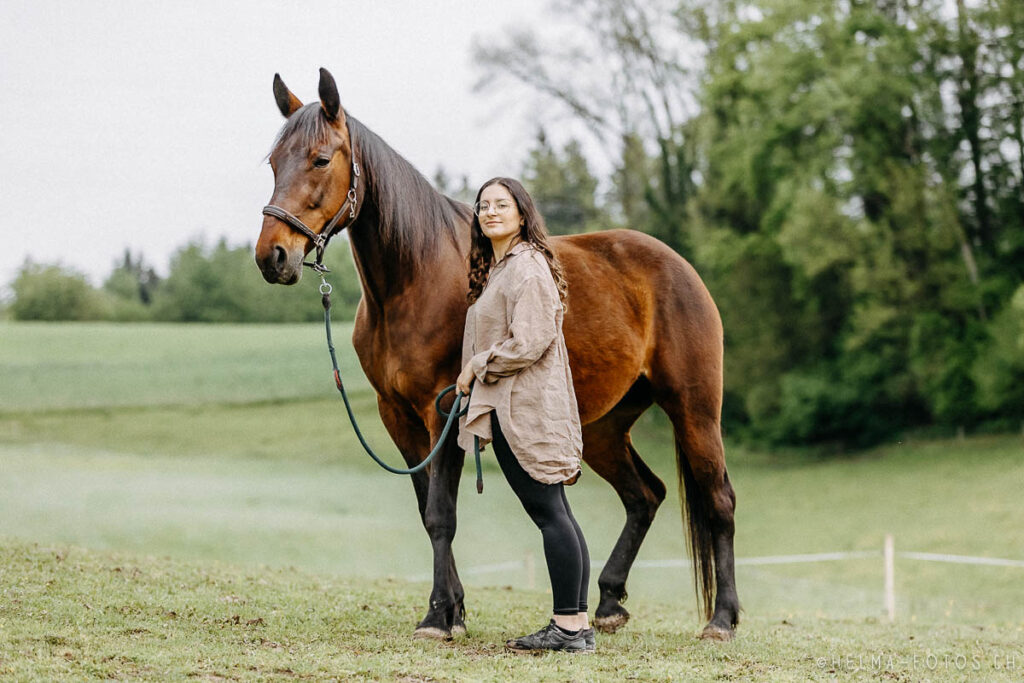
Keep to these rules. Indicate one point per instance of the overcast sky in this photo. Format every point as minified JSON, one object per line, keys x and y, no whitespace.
{"x":141,"y":125}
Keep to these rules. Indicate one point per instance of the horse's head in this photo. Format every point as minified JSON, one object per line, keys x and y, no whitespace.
{"x":313,"y":171}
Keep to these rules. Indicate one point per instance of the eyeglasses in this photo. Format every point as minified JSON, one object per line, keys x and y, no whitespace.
{"x":501,"y":206}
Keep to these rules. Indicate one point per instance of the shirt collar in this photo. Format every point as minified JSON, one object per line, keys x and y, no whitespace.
{"x":517,"y":249}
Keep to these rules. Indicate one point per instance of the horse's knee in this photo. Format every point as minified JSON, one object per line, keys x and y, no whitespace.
{"x":441,"y":533}
{"x":440,"y":525}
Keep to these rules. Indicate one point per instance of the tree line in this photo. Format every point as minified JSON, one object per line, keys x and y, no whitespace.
{"x":216,"y":283}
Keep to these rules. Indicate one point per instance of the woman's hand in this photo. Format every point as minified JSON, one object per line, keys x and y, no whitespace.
{"x":465,"y":380}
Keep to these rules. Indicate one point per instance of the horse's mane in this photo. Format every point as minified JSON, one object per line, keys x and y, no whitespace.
{"x":412,"y":217}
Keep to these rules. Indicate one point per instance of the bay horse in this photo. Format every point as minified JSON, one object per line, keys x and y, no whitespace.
{"x":641,"y":328}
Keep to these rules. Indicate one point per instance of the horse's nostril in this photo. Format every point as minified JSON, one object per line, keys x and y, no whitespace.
{"x":281,"y":256}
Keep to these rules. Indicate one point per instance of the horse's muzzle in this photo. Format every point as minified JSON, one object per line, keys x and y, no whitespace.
{"x":278,"y":265}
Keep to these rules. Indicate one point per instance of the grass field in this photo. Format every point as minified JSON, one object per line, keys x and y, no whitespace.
{"x":69,"y":613}
{"x":215,"y":462}
{"x":98,"y":365}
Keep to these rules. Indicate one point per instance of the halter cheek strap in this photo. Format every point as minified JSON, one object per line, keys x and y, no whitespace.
{"x":329,"y":229}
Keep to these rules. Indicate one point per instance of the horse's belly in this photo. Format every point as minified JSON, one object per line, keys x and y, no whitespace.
{"x":605,"y":363}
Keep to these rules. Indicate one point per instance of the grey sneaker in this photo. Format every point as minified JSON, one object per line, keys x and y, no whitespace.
{"x":588,"y":639}
{"x":549,"y":638}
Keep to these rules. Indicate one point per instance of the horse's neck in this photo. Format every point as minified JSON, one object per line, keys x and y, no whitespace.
{"x":386,"y":282}
{"x":371,"y":262}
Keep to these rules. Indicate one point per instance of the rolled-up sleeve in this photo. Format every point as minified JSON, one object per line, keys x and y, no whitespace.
{"x":532,"y":329}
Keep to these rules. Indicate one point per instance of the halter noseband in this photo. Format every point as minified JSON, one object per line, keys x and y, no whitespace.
{"x":321,"y":239}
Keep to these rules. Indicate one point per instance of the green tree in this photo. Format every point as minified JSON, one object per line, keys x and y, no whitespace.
{"x":825,"y":132}
{"x":563,"y":187}
{"x":999,"y":368}
{"x":54,"y":292}
{"x":222,"y":284}
{"x":131,"y":286}
{"x":630,"y":180}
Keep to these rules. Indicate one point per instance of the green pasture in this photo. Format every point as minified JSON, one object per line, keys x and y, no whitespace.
{"x":70,"y":613}
{"x":209,"y":472}
{"x":50,"y":366}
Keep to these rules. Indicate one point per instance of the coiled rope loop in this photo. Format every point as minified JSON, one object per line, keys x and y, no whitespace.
{"x":458,"y":410}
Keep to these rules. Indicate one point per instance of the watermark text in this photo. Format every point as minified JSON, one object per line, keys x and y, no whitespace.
{"x":926,"y":661}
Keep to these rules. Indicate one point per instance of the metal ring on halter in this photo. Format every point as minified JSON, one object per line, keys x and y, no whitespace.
{"x":325,"y":287}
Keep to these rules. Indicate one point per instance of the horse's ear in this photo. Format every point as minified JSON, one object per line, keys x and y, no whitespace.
{"x":329,"y":99}
{"x":286,"y":101}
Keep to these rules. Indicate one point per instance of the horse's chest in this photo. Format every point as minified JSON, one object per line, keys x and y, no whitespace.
{"x":396,"y":367}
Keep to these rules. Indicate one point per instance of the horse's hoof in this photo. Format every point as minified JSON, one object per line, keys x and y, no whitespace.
{"x":611,"y":623}
{"x":458,"y":630}
{"x":432,"y":633}
{"x":717,"y":633}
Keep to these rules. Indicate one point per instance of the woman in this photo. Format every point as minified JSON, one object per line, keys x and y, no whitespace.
{"x":522,"y":399}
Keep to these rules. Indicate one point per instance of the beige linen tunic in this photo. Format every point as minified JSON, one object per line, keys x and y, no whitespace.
{"x":514,"y":342}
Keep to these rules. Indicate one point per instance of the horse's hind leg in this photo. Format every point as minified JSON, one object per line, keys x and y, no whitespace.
{"x":608,"y":450}
{"x":710,"y":509}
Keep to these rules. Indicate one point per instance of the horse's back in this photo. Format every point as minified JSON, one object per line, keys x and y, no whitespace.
{"x":640,"y":264}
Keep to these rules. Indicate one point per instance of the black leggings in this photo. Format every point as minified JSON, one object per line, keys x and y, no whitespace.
{"x":565,"y":550}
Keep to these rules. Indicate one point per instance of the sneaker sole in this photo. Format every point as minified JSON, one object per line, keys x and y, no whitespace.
{"x":542,"y":650}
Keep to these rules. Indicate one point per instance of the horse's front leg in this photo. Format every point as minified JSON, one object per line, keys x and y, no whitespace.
{"x":446,"y":616}
{"x":436,"y":489}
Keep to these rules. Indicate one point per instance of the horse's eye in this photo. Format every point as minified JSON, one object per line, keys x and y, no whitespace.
{"x":321,"y":162}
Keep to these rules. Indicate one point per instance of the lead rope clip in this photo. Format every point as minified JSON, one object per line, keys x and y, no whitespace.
{"x":325,"y":292}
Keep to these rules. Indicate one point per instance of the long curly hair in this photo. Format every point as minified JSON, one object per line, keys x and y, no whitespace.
{"x":532,"y":231}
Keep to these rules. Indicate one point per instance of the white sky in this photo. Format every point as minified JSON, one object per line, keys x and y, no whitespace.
{"x":141,"y":125}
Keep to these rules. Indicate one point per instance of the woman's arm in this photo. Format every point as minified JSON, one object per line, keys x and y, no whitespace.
{"x":532,"y":329}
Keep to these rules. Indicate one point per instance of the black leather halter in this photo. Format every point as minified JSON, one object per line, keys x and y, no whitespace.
{"x":331,"y":228}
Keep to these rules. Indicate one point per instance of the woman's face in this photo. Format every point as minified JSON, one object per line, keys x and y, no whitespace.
{"x":499,"y":216}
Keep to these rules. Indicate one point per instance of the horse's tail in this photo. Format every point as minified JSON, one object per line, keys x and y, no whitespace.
{"x":697,"y":521}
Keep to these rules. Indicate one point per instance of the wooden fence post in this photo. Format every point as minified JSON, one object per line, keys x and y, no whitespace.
{"x":890,"y":578}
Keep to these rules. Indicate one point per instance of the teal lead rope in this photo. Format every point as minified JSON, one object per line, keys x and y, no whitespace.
{"x":457,"y":409}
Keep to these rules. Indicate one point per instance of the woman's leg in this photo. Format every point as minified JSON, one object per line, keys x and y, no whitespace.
{"x":546,"y":506}
{"x":584,"y":558}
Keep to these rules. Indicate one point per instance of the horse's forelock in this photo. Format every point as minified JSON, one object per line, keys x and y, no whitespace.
{"x":309,"y":123}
